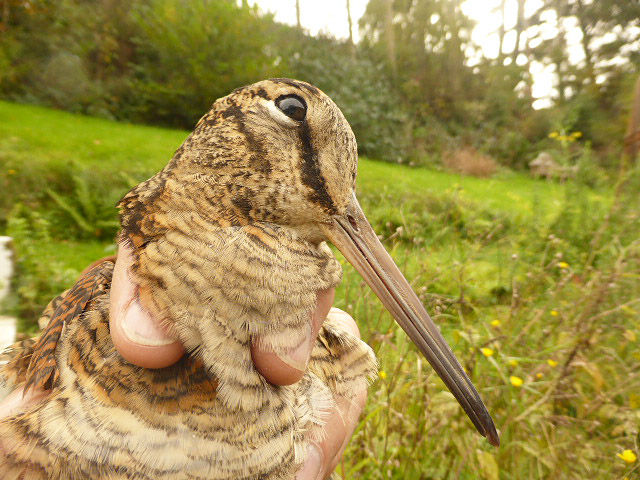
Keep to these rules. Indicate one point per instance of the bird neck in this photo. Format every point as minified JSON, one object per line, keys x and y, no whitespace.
{"x":219,"y":286}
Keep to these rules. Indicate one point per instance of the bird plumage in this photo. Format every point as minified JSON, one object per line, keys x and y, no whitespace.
{"x":227,"y":250}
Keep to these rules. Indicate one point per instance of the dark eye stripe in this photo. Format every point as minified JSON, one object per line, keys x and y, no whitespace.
{"x":293,"y":107}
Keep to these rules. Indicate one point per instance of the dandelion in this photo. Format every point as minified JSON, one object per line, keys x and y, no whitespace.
{"x":628,"y":456}
{"x":554,"y":313}
{"x":487,"y":352}
{"x":576,"y":134}
{"x":513,"y":362}
{"x":539,"y":375}
{"x":11,"y":171}
{"x":552,"y":363}
{"x":516,"y":381}
{"x":563,"y":265}
{"x":495,"y":323}
{"x":554,"y":135}
{"x":382,"y":374}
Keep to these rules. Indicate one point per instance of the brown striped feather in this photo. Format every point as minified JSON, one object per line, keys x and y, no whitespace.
{"x":42,"y":371}
{"x":225,"y":250}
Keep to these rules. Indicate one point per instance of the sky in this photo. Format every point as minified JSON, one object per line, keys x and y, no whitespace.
{"x":329,"y":16}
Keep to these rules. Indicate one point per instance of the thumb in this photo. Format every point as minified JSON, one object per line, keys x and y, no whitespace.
{"x":136,"y":334}
{"x":290,"y":368}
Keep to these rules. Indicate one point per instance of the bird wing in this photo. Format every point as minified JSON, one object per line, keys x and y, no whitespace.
{"x":14,"y":360}
{"x":42,"y":371}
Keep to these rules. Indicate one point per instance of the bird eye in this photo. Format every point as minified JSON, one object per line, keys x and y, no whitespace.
{"x":293,"y":107}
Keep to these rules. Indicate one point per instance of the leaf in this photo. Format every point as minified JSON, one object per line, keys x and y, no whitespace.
{"x":64,"y":205}
{"x":488,"y":465}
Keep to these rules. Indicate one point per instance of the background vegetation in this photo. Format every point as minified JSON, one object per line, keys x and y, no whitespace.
{"x":415,"y":87}
{"x":535,"y":283}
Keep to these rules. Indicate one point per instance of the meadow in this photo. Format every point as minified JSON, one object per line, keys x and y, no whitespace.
{"x":535,"y":284}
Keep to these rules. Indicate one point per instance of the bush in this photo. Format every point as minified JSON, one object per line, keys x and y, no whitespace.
{"x":187,"y":54}
{"x":360,"y":88}
{"x":469,"y":161}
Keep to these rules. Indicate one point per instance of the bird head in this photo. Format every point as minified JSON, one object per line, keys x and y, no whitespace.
{"x":281,"y":152}
{"x":276,"y":151}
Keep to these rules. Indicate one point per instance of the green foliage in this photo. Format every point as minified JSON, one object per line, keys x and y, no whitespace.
{"x":414,"y":89}
{"x":190,"y":53}
{"x":555,"y":302}
{"x":360,"y":88}
{"x":38,"y":279}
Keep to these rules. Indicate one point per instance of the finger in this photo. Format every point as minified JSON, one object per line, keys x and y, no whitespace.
{"x":323,"y":457}
{"x":137,"y":335}
{"x":289,"y":368}
{"x":350,"y":413}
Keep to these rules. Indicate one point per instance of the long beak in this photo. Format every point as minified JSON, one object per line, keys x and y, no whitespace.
{"x":353,"y":236}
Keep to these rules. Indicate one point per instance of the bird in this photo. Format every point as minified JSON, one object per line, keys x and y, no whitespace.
{"x":229,"y":244}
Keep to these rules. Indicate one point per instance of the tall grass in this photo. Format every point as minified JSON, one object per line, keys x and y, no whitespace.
{"x":544,"y":317}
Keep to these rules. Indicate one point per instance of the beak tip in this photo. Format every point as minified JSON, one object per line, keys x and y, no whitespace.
{"x":493,"y":438}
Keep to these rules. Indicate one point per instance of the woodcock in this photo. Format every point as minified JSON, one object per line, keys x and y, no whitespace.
{"x":228,"y":245}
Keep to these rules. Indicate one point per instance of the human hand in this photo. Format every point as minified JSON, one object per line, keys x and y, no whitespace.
{"x":141,"y":340}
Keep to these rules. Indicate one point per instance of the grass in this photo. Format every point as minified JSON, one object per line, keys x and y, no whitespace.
{"x":544,"y":275}
{"x":94,"y":142}
{"x":104,"y":145}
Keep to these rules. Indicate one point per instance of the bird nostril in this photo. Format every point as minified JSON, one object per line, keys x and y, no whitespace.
{"x":353,"y":222}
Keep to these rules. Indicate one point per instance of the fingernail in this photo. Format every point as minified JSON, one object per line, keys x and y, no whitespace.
{"x":312,"y":468}
{"x":299,"y":356}
{"x":137,"y":325}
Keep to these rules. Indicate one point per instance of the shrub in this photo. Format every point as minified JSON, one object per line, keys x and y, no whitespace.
{"x":469,"y":161}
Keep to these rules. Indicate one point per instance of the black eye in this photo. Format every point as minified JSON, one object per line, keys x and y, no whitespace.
{"x":292,"y":106}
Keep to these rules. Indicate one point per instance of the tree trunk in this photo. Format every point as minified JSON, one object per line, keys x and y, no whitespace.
{"x":561,"y":82}
{"x":586,"y":44}
{"x":298,"y":14}
{"x":349,"y":19}
{"x":455,"y":60}
{"x":519,"y":29}
{"x":502,"y":31}
{"x":5,"y":13}
{"x":632,"y":139}
{"x":352,"y":44}
{"x":391,"y":38}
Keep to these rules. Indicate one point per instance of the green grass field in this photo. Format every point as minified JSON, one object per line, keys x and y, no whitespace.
{"x":535,"y":284}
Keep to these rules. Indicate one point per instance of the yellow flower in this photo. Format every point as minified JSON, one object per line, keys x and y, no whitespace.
{"x":576,"y":134}
{"x":495,"y":323}
{"x":11,"y":171}
{"x":628,"y":456}
{"x":554,"y":313}
{"x":553,"y":135}
{"x":552,"y":363}
{"x":516,"y":381}
{"x":382,"y":374}
{"x":563,"y":264}
{"x":513,"y":362}
{"x":487,"y":352}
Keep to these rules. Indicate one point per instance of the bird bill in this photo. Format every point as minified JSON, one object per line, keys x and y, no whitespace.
{"x":353,"y":236}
